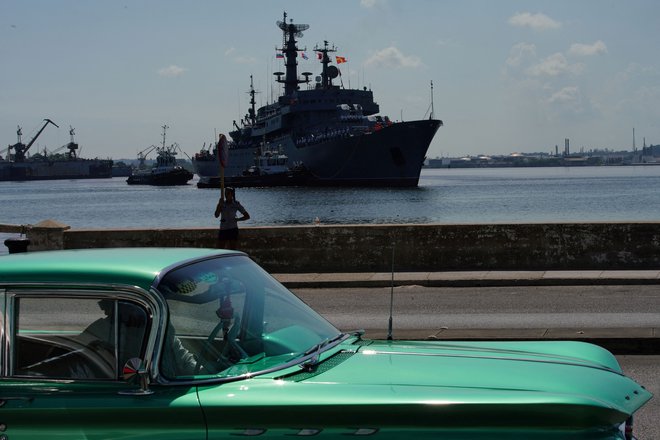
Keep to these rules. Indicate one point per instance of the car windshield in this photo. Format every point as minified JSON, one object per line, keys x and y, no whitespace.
{"x":229,"y":317}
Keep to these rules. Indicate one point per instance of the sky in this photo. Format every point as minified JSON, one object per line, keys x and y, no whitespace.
{"x":508,"y":76}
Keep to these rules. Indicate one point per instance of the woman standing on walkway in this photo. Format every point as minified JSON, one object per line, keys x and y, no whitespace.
{"x":226,"y":210}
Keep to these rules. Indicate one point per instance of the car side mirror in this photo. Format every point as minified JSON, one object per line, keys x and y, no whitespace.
{"x":135,"y":371}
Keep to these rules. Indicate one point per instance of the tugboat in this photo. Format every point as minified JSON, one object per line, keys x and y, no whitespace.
{"x":165,"y":172}
{"x":18,"y":166}
{"x":271,"y":168}
{"x":333,"y":131}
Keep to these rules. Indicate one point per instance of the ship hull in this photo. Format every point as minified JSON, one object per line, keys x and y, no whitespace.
{"x":264,"y":181}
{"x":171,"y":178}
{"x":56,"y":170}
{"x":390,"y":157}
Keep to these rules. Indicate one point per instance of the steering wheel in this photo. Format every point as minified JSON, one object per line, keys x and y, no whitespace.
{"x":231,"y":352}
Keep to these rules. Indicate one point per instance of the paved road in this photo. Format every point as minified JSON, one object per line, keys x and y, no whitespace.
{"x":435,"y":309}
{"x":518,"y":308}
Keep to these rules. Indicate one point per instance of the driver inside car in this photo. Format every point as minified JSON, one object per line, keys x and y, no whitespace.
{"x":211,"y":336}
{"x":177,"y":360}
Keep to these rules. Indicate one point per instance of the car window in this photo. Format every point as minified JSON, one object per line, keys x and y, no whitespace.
{"x":75,"y":338}
{"x":195,"y":327}
{"x":229,"y":317}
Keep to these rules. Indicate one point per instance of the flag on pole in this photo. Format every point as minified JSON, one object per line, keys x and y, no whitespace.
{"x":341,"y":60}
{"x":319,"y":55}
{"x":223,"y":150}
{"x":304,"y":55}
{"x":279,"y":55}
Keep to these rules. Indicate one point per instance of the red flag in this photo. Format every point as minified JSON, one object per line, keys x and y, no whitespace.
{"x":223,"y":150}
{"x":319,"y":55}
{"x":341,"y":60}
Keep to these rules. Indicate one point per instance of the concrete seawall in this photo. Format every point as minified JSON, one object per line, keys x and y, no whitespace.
{"x":429,"y":247}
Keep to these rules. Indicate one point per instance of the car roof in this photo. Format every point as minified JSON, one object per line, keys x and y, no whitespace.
{"x":128,"y":266}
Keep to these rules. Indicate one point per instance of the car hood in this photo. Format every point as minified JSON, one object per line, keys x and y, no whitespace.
{"x":570,"y":385}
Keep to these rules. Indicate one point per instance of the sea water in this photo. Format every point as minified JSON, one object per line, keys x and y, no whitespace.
{"x":467,"y":195}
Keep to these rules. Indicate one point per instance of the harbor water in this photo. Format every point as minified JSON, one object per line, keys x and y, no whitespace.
{"x":468,"y":195}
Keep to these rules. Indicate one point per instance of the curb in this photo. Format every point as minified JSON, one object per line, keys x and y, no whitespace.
{"x":470,"y":279}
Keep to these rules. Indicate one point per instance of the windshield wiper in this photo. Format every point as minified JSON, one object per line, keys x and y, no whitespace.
{"x":316,"y":350}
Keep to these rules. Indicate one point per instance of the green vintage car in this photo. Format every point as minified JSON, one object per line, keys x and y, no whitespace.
{"x":204,"y":344}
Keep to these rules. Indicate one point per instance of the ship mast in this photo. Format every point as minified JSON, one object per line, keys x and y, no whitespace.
{"x":164,"y":127}
{"x":328,"y":73}
{"x":432,"y":109}
{"x":290,"y":31}
{"x":252,"y":114}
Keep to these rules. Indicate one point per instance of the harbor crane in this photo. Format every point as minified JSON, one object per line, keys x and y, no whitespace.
{"x":72,"y":145}
{"x":20,"y":148}
{"x":142,"y":156}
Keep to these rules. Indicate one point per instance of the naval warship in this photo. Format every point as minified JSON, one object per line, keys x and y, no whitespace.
{"x":333,"y":133}
{"x":18,"y":166}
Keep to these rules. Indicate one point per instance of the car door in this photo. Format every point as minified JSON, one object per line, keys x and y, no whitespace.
{"x":63,"y":359}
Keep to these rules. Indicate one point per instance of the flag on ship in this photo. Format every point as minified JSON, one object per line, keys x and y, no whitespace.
{"x":341,"y":60}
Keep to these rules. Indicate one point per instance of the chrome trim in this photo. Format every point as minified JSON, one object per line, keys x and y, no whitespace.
{"x":4,"y":400}
{"x":251,"y":432}
{"x":157,"y":337}
{"x":4,"y":345}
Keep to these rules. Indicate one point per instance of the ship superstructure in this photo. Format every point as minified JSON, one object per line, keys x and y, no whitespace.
{"x":334,"y":132}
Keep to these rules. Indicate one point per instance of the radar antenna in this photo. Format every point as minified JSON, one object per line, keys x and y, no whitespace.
{"x":290,"y":50}
{"x":296,"y":29}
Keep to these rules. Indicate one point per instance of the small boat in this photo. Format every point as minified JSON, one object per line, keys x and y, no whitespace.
{"x":165,"y":171}
{"x":271,"y":168}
